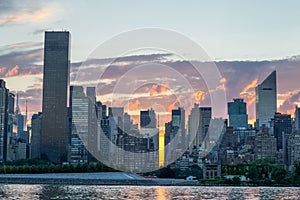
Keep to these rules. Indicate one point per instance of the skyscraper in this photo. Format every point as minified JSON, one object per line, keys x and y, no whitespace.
{"x":55,"y":96}
{"x":237,"y":111}
{"x":3,"y":120}
{"x":198,"y":124}
{"x":266,"y":100}
{"x":80,"y":125}
{"x":178,"y":127}
{"x":36,"y":126}
{"x":282,"y":126}
{"x":147,"y":118}
{"x":297,"y":118}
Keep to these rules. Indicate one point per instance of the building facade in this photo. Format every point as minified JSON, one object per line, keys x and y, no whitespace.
{"x":36,"y":130}
{"x":266,"y":100}
{"x":3,"y":120}
{"x":55,"y":96}
{"x":237,"y":111}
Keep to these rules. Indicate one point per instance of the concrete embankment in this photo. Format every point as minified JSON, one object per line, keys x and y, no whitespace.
{"x":108,"y":178}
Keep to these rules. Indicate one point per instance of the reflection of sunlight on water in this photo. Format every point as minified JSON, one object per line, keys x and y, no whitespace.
{"x":161,"y":193}
{"x":161,"y":148}
{"x":251,"y":193}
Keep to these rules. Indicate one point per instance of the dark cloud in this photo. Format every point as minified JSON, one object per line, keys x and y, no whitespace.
{"x":114,"y":61}
{"x":26,"y":58}
{"x":21,"y":62}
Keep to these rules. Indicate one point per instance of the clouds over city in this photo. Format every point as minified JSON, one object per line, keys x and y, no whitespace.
{"x":239,"y":78}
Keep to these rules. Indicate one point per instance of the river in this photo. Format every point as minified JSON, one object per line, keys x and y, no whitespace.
{"x":17,"y":191}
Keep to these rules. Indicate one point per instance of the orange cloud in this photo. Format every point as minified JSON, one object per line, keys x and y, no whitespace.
{"x":13,"y":72}
{"x":199,"y":95}
{"x":252,"y":85}
{"x":290,"y":101}
{"x":175,"y":104}
{"x":157,"y":89}
{"x":2,"y":70}
{"x":223,"y":80}
{"x":134,"y":105}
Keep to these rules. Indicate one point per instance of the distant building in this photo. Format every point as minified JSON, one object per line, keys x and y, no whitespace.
{"x":237,"y":111}
{"x":198,"y":124}
{"x":265,"y":145}
{"x":36,"y":126}
{"x":11,"y":103}
{"x":101,"y":110}
{"x":148,"y":119}
{"x":293,"y":148}
{"x":11,"y":115}
{"x":80,"y":126}
{"x":127,"y":122}
{"x":3,"y":120}
{"x":211,"y":171}
{"x":297,"y":118}
{"x":282,"y":126}
{"x":228,"y":147}
{"x":117,"y":114}
{"x":244,"y":135}
{"x":178,"y":128}
{"x":193,"y":126}
{"x":266,"y":100}
{"x":54,"y":138}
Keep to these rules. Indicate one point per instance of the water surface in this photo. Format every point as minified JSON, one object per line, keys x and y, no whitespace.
{"x":15,"y":191}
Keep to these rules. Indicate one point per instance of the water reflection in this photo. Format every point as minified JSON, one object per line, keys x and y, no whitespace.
{"x":143,"y":192}
{"x":161,"y":193}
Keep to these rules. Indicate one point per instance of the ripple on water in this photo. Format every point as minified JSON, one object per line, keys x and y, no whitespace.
{"x":15,"y":191}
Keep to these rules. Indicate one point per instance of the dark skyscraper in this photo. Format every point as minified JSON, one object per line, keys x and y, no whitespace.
{"x":147,"y":118}
{"x":237,"y":111}
{"x":3,"y":120}
{"x":55,"y":95}
{"x":36,"y":127}
{"x":282,"y":128}
{"x":297,"y":118}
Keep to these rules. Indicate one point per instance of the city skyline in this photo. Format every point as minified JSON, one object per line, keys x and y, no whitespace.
{"x":149,"y":99}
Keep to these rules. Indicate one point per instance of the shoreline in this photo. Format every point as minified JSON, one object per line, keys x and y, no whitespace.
{"x":101,"y":178}
{"x":108,"y":179}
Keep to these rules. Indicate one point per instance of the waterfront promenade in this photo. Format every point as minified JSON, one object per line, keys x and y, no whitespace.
{"x":99,"y":178}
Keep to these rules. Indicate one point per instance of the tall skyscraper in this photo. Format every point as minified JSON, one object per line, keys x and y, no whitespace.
{"x":55,"y":96}
{"x":3,"y":120}
{"x":266,"y":100}
{"x":237,"y":111}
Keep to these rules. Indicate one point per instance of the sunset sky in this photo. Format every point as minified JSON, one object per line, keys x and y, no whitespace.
{"x":247,"y":39}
